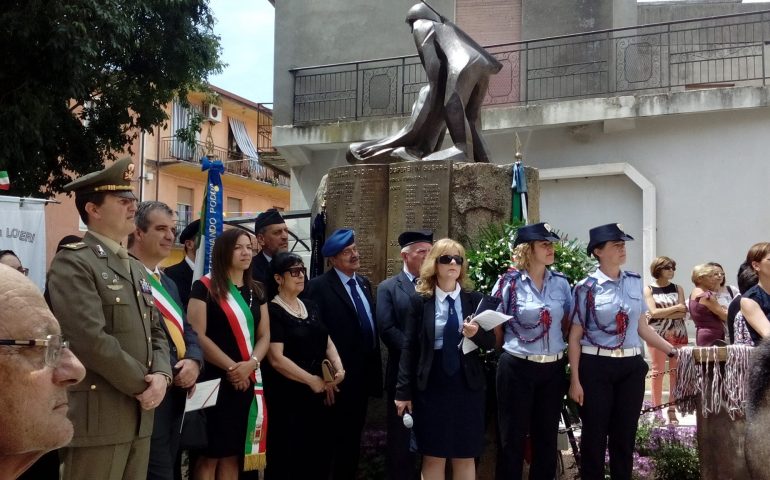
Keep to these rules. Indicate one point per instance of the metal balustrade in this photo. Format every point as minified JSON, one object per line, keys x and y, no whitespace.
{"x":720,"y":51}
{"x":236,"y":163}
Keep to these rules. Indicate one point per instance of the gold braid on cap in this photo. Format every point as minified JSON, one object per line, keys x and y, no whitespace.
{"x":111,"y":188}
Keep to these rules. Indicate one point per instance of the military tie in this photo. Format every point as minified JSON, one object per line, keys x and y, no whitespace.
{"x":123,"y":255}
{"x":450,"y":356}
{"x":173,"y":331}
{"x":363,"y":318}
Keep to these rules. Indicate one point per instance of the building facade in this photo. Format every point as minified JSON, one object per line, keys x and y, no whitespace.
{"x":234,"y":130}
{"x":651,"y":115}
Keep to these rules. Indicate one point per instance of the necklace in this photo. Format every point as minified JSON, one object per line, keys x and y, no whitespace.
{"x":299,"y":313}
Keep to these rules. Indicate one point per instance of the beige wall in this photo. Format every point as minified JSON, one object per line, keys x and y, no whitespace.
{"x":255,"y":196}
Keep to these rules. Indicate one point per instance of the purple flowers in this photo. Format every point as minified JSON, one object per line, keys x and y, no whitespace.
{"x":664,"y":451}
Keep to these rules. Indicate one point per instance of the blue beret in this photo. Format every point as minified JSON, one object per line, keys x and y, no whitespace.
{"x":338,"y":241}
{"x":534,"y":232}
{"x":606,"y":233}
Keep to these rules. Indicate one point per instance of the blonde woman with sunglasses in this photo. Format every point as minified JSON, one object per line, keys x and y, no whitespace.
{"x":439,"y":385}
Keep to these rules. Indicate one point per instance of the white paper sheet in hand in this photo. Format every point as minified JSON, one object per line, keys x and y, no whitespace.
{"x":487,"y":320}
{"x":205,"y":395}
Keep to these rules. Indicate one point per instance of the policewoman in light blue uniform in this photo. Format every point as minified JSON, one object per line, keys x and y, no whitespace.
{"x":607,"y":368}
{"x":531,"y":376}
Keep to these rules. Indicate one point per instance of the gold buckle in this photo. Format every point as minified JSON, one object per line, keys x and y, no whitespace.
{"x":617,"y":353}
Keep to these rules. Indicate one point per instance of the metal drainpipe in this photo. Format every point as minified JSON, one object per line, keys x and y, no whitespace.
{"x":141,"y":168}
{"x":157,"y":167}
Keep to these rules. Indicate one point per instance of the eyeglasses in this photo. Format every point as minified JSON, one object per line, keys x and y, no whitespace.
{"x":53,"y":347}
{"x":296,"y":271}
{"x":447,"y":259}
{"x":23,"y":270}
{"x":673,"y":269}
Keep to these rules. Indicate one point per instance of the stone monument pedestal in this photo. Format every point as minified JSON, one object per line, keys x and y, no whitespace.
{"x":454,"y":200}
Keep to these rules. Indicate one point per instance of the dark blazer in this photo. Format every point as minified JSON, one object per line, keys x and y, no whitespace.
{"x":262,"y":272}
{"x":393,"y":306}
{"x":417,"y":357}
{"x":193,"y":349}
{"x":182,"y":275}
{"x":362,"y":363}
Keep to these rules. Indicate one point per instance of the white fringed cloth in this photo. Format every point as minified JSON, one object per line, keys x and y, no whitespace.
{"x":721,"y":388}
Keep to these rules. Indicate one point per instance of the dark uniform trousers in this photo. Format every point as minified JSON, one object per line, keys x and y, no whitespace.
{"x":529,"y":400}
{"x":164,"y":446}
{"x":400,"y":462}
{"x":613,"y":391}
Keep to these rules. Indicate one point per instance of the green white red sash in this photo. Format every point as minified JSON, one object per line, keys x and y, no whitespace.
{"x":241,"y":322}
{"x":166,"y":304}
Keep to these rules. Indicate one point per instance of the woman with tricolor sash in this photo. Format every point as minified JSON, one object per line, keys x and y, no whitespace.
{"x":228,"y":311}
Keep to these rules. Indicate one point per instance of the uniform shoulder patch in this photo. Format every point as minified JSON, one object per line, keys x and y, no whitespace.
{"x":633,"y":274}
{"x":74,"y":246}
{"x":559,"y":274}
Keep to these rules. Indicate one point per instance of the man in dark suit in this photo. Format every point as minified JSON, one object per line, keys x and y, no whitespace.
{"x":104,"y":303}
{"x":393,"y":305}
{"x":345,"y":303}
{"x":150,"y":243}
{"x":273,"y":237}
{"x":182,"y":272}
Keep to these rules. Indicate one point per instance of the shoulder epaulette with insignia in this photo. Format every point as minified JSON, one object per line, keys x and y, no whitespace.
{"x":559,"y":274}
{"x":633,"y":274}
{"x":74,"y":246}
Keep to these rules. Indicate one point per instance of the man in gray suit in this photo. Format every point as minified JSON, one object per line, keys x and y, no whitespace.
{"x":151,"y":243}
{"x":392,"y":310}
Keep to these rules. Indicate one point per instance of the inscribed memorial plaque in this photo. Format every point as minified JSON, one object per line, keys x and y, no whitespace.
{"x":419,"y":199}
{"x":356,"y":197}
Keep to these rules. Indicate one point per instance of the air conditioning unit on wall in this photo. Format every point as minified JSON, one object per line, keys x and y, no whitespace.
{"x":212,"y":113}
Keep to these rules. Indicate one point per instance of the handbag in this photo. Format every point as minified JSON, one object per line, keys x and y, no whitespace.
{"x":194,"y":435}
{"x":328,"y":371}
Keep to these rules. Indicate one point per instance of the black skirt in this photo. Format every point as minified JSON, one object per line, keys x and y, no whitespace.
{"x":448,"y":416}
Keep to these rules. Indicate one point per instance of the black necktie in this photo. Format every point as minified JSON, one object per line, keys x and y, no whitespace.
{"x":450,"y":355}
{"x":363,"y":318}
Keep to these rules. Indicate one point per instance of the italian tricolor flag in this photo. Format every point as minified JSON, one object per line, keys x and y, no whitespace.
{"x":5,"y":183}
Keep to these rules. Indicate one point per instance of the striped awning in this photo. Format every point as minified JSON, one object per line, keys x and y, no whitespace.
{"x":242,"y":139}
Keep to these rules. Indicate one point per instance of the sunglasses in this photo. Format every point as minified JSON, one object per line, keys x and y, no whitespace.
{"x":297,"y":271}
{"x":447,"y":259}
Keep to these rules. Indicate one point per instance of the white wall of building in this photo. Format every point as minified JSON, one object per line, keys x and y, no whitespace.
{"x":710,"y":171}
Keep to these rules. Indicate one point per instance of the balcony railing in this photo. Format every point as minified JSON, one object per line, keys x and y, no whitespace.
{"x":235,"y":162}
{"x":719,"y":51}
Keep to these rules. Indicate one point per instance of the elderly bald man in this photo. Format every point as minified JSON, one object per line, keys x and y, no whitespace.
{"x":36,"y":367}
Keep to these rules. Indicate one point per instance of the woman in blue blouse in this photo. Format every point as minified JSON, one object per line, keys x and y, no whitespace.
{"x":607,"y":368}
{"x":531,"y":379}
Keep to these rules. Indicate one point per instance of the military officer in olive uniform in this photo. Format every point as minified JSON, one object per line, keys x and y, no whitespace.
{"x":105,"y":306}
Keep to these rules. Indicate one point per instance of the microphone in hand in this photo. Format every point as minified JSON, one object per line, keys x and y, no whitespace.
{"x":408,"y":420}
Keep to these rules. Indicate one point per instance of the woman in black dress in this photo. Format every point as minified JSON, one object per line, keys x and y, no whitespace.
{"x":441,"y":387}
{"x":297,"y":395}
{"x":229,"y":283}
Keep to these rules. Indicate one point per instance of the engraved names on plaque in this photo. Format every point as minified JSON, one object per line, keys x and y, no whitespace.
{"x":356,"y":197}
{"x":419,"y":199}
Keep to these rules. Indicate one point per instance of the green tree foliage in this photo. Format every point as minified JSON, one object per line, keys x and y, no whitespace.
{"x":113,"y":63}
